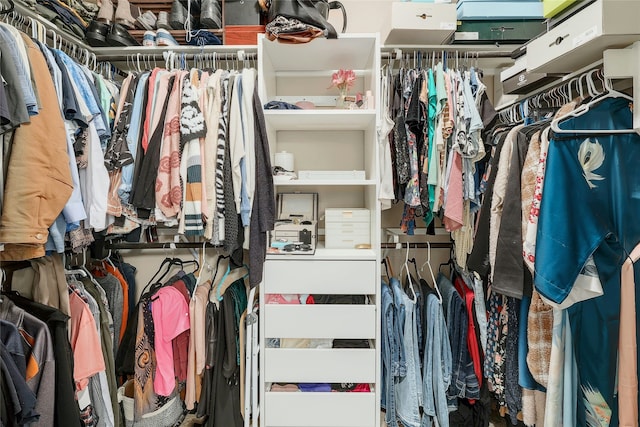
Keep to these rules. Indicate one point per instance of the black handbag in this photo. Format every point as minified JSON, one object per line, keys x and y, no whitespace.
{"x":304,"y":11}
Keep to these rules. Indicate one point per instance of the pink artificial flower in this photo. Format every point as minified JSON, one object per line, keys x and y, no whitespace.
{"x":343,"y":79}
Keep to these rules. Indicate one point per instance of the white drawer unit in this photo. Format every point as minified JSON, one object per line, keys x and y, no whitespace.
{"x":420,"y":23}
{"x":581,"y":39}
{"x":297,"y":340}
{"x":320,"y":409}
{"x":347,"y":228}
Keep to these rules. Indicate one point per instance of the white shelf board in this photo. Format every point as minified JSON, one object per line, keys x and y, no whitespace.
{"x":332,"y":119}
{"x":329,"y":254}
{"x":354,"y":52}
{"x":323,"y":182}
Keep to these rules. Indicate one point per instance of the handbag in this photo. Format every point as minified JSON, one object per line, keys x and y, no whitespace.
{"x":282,"y":15}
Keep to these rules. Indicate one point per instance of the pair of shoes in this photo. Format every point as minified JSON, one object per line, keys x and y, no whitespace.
{"x":210,"y":14}
{"x":161,"y":37}
{"x":163,"y":20}
{"x":149,"y":39}
{"x":123,"y":14}
{"x":101,"y":34}
{"x":147,"y":20}
{"x":179,"y":16}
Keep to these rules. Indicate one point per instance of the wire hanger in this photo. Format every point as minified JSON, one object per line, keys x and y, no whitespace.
{"x":584,"y":108}
{"x":433,"y":277}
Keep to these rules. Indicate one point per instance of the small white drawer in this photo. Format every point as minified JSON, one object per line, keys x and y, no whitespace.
{"x":421,"y":23}
{"x":347,"y":215}
{"x":346,"y":239}
{"x":336,"y":365}
{"x":284,"y":409}
{"x":320,"y":321}
{"x":581,"y":39}
{"x":320,"y":277}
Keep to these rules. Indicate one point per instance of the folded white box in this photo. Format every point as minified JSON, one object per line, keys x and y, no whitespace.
{"x":346,"y":228}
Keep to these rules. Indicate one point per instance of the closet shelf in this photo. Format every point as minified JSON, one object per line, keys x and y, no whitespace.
{"x":320,"y":119}
{"x":179,"y":35}
{"x":322,"y":182}
{"x":328,"y":254}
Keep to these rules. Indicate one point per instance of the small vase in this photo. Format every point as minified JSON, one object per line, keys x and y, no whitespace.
{"x":341,"y":102}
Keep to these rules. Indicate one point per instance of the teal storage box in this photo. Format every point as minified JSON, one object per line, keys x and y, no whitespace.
{"x":494,"y":10}
{"x":507,"y":31}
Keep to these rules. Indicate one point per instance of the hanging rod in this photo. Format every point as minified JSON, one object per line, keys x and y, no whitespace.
{"x":158,"y":245}
{"x":159,"y":53}
{"x":20,"y":10}
{"x":195,"y":245}
{"x":417,"y":245}
{"x":473,"y":51}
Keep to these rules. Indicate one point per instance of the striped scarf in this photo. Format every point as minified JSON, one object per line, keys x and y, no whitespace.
{"x":192,"y":128}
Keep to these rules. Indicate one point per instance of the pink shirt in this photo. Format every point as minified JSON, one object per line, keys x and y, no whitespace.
{"x":85,"y":342}
{"x":170,"y":314}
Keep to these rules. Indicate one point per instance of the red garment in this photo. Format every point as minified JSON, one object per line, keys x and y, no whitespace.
{"x":362,"y":388}
{"x":472,"y":340}
{"x":181,"y":342}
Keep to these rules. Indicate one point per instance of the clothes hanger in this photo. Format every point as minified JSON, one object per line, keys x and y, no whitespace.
{"x":7,"y":7}
{"x":584,"y":108}
{"x":405,"y":266}
{"x":231,"y":276}
{"x":433,"y":277}
{"x":205,"y":264}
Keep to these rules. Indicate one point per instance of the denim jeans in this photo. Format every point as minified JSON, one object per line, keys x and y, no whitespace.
{"x":409,"y":389}
{"x":464,"y":383}
{"x":437,"y":365}
{"x":389,"y":355}
{"x":399,"y":309}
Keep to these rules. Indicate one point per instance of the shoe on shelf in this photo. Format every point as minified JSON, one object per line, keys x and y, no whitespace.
{"x":163,"y":20}
{"x":106,"y":12}
{"x":96,"y":34}
{"x":210,"y":14}
{"x":164,"y":38}
{"x":149,"y":39}
{"x":147,"y":20}
{"x":178,"y":16}
{"x":119,"y":36}
{"x":124,"y":15}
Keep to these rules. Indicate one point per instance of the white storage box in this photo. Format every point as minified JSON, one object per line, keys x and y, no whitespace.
{"x":581,"y":39}
{"x":420,"y":23}
{"x":347,"y":228}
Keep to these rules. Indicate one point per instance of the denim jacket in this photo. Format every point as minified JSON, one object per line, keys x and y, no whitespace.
{"x":389,"y":355}
{"x":464,"y":383}
{"x":437,"y":365}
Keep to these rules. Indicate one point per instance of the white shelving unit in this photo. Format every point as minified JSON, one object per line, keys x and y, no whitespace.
{"x":323,"y":139}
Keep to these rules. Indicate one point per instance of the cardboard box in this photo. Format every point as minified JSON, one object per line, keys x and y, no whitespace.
{"x":242,"y":34}
{"x":296,"y":228}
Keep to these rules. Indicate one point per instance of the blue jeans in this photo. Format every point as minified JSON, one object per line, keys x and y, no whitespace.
{"x":399,"y":309}
{"x":437,"y":365}
{"x":409,"y":389}
{"x":464,"y":383}
{"x":389,"y":355}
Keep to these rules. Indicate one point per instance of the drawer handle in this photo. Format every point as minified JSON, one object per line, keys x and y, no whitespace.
{"x":558,"y":40}
{"x":424,"y":16}
{"x":502,"y":29}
